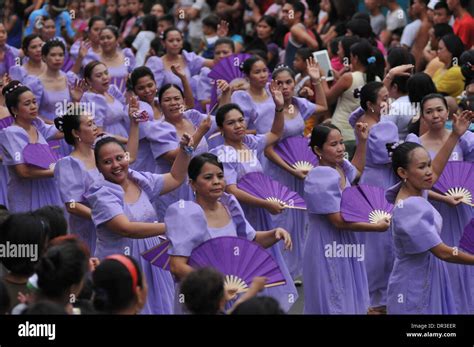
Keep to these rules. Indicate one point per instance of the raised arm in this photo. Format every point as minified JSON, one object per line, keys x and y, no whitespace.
{"x":314,"y":72}
{"x":362,"y":133}
{"x":177,"y":175}
{"x":338,"y":222}
{"x":275,"y":133}
{"x":135,"y":230}
{"x":187,"y":90}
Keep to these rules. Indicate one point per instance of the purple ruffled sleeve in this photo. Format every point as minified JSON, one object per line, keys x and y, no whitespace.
{"x":256,"y":142}
{"x":151,"y":183}
{"x":18,"y":73}
{"x":12,"y":141}
{"x":156,"y":66}
{"x":48,"y":131}
{"x":354,"y":117}
{"x":204,"y":85}
{"x":414,"y":224}
{"x":413,"y":138}
{"x":306,"y":107}
{"x":70,"y":178}
{"x":243,"y":99}
{"x":100,"y":107}
{"x":244,"y":229}
{"x":228,"y":157}
{"x":194,"y":62}
{"x":186,"y":227}
{"x":379,"y":135}
{"x":117,"y":94}
{"x":129,"y":59}
{"x":34,"y":83}
{"x":162,"y":137}
{"x":106,"y":201}
{"x":466,"y":142}
{"x":322,"y":191}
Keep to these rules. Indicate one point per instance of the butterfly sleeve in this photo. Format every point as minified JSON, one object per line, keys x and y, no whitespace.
{"x":17,"y":73}
{"x":34,"y":83}
{"x":47,"y":130}
{"x":106,"y":201}
{"x":70,"y":180}
{"x":197,"y":117}
{"x":117,"y":94}
{"x":100,"y":107}
{"x":203,"y":91}
{"x":414,"y":225}
{"x":244,"y":228}
{"x":151,"y":183}
{"x":466,"y":142}
{"x":186,"y":227}
{"x":242,"y":99}
{"x":155,"y":64}
{"x":229,"y":161}
{"x":349,"y":170}
{"x":379,"y":135}
{"x":162,"y":137}
{"x":13,"y":141}
{"x":306,"y":107}
{"x":322,"y":191}
{"x":354,"y":117}
{"x":194,"y":62}
{"x":413,"y":138}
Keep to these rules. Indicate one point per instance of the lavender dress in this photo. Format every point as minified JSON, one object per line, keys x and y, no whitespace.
{"x":454,"y":221}
{"x":9,"y":59}
{"x":107,"y":201}
{"x":378,"y":172}
{"x":295,"y":221}
{"x":419,"y":283}
{"x":90,"y":56}
{"x":5,"y":122}
{"x":119,"y":74}
{"x":258,"y":115}
{"x":52,"y":103}
{"x":111,"y":117}
{"x":27,"y":194}
{"x":260,"y":219}
{"x":186,"y":228}
{"x":334,"y":283}
{"x":74,"y":179}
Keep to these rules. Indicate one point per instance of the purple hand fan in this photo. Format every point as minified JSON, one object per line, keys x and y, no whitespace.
{"x":239,"y":260}
{"x":40,"y":155}
{"x":262,"y":186}
{"x":227,"y":69}
{"x":467,"y":239}
{"x":457,"y":179}
{"x":158,"y":255}
{"x":366,"y":204}
{"x":296,"y":152}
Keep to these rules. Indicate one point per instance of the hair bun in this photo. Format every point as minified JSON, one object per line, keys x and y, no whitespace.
{"x":59,"y":123}
{"x":357,"y":92}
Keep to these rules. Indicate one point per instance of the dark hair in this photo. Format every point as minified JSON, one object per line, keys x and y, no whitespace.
{"x":369,"y":92}
{"x":363,"y":51}
{"x":150,"y":23}
{"x":4,"y":299}
{"x":26,"y":42}
{"x":167,"y":31}
{"x":44,"y":307}
{"x":113,"y":285}
{"x":466,"y":60}
{"x":361,"y":27}
{"x":140,"y":72}
{"x":464,"y":3}
{"x":90,"y":67}
{"x":167,"y":86}
{"x":333,"y":46}
{"x":225,"y":41}
{"x":211,"y":21}
{"x":298,"y":7}
{"x":203,"y":290}
{"x":113,"y":29}
{"x":401,"y":154}
{"x":442,"y":5}
{"x":61,"y":267}
{"x":223,"y":110}
{"x":319,"y":135}
{"x":102,"y":142}
{"x":304,"y":52}
{"x":24,"y":229}
{"x":50,"y":44}
{"x":12,"y":92}
{"x":454,"y":45}
{"x":157,"y":46}
{"x":399,"y":56}
{"x":442,"y":29}
{"x":249,"y":62}
{"x":259,"y":305}
{"x":196,"y":164}
{"x":419,"y":85}
{"x":166,"y":18}
{"x":361,"y":16}
{"x":66,"y":124}
{"x":347,"y":42}
{"x":430,"y":97}
{"x":270,"y":20}
{"x":95,"y":19}
{"x":3,"y":214}
{"x":281,"y":69}
{"x":54,"y":215}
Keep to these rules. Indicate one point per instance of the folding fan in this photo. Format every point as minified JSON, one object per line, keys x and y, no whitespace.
{"x":365,"y":203}
{"x":262,"y":186}
{"x":467,"y":239}
{"x":158,"y":255}
{"x":239,"y":260}
{"x":296,"y":152}
{"x":40,"y":155}
{"x":457,"y":179}
{"x":227,"y":69}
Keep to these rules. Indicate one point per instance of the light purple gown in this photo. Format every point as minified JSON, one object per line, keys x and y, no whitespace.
{"x":333,"y":283}
{"x":51,"y":103}
{"x":5,"y":122}
{"x":259,"y":218}
{"x":419,"y":282}
{"x":186,"y":228}
{"x":90,"y":56}
{"x":378,"y":172}
{"x":258,"y":115}
{"x":295,"y":221}
{"x":107,"y":201}
{"x":9,"y":59}
{"x":73,"y":180}
{"x":111,"y":117}
{"x":454,"y":221}
{"x":27,"y":194}
{"x":119,"y":74}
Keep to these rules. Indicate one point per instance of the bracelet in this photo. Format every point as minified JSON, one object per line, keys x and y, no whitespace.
{"x":280,"y":110}
{"x":188,"y":150}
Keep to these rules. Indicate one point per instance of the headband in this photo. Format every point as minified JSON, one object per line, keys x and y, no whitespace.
{"x":130,"y":267}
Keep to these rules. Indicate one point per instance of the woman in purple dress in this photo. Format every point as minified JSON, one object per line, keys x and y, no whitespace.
{"x":212,"y":214}
{"x":376,"y":172}
{"x":8,"y":54}
{"x":296,"y":111}
{"x":54,"y":89}
{"x":83,"y":52}
{"x":455,"y":214}
{"x":334,"y":275}
{"x":125,"y":220}
{"x":420,"y":282}
{"x":29,"y":187}
{"x":175,"y":55}
{"x":5,"y":121}
{"x":34,"y":66}
{"x":119,"y":62}
{"x":239,"y":155}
